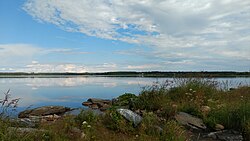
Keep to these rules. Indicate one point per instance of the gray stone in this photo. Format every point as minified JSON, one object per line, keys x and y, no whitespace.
{"x":105,"y":107}
{"x":189,"y":120}
{"x":229,"y":136}
{"x":225,"y":135}
{"x":97,"y":100}
{"x":43,"y":111}
{"x":94,"y":106}
{"x":130,"y":115}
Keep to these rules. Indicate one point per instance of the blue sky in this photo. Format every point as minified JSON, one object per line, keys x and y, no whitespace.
{"x":117,"y":35}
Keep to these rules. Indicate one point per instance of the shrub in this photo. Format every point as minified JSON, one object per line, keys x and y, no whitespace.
{"x":126,"y":99}
{"x":7,"y":105}
{"x":152,"y":98}
{"x":87,"y":116}
{"x":150,"y":124}
{"x":116,"y":122}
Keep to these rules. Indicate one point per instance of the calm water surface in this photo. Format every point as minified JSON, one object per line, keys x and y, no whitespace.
{"x":73,"y":91}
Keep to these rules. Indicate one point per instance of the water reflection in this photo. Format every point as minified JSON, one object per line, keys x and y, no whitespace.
{"x":73,"y":91}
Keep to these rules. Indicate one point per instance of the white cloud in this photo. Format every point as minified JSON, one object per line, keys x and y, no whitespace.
{"x":36,"y":67}
{"x":17,"y":53}
{"x":143,"y":67}
{"x":167,"y":26}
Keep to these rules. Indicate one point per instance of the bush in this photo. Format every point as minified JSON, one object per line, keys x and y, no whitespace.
{"x":150,"y":124}
{"x":87,"y":116}
{"x":116,"y":122}
{"x":126,"y":99}
{"x":152,"y":98}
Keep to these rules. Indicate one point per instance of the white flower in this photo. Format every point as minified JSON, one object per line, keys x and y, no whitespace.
{"x":89,"y":126}
{"x":85,"y":122}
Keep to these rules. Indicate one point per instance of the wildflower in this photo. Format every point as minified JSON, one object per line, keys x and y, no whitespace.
{"x":89,"y":126}
{"x":190,"y":89}
{"x":85,"y":122}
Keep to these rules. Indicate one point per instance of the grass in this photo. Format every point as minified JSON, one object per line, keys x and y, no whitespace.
{"x":157,"y":105}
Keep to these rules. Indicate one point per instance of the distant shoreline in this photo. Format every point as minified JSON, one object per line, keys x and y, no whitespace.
{"x":205,"y":74}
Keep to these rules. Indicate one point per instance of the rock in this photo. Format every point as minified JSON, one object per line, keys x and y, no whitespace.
{"x":43,"y":111}
{"x":211,"y":135}
{"x":96,"y":103}
{"x":130,"y":115}
{"x":230,"y":136}
{"x":51,"y":117}
{"x":105,"y":107}
{"x":100,"y":104}
{"x":219,"y":127}
{"x":97,"y":100}
{"x":94,"y":106}
{"x":48,"y":118}
{"x":24,"y":122}
{"x":86,"y":103}
{"x":189,"y":120}
{"x":225,"y":135}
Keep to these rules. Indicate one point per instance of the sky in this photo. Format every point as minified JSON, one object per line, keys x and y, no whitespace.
{"x":124,"y":35}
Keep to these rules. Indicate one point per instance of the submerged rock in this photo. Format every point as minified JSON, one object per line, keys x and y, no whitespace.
{"x":43,"y":111}
{"x":189,"y":120}
{"x":130,"y":115}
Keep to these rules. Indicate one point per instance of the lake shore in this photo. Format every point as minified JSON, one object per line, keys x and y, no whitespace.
{"x":164,"y":113}
{"x":207,"y":74}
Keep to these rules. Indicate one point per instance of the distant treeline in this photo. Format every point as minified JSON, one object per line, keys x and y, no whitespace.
{"x":139,"y":74}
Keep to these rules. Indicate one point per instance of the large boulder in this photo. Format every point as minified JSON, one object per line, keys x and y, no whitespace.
{"x":189,"y":120}
{"x":130,"y":115}
{"x":43,"y":111}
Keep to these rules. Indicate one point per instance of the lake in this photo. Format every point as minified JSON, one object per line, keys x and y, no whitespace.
{"x":72,"y":91}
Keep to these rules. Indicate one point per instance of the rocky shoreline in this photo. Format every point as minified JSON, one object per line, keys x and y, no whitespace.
{"x":193,"y":124}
